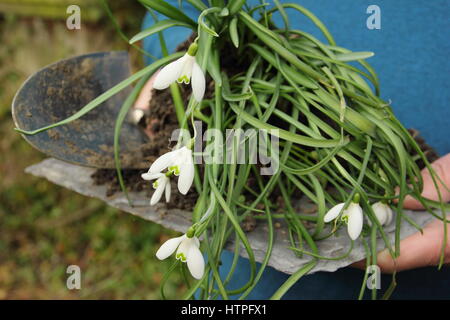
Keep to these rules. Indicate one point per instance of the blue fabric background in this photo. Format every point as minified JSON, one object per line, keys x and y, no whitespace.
{"x":412,"y":51}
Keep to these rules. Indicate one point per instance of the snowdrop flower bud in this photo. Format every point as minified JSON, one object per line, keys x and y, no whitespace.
{"x":180,"y":163}
{"x":182,"y":70}
{"x":383,"y":213}
{"x":162,"y":183}
{"x":353,"y":216}
{"x":187,"y":251}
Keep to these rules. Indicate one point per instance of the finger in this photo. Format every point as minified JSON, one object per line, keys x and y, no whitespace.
{"x":359,"y":265}
{"x":142,"y":103}
{"x":417,"y":250}
{"x":442,"y":169}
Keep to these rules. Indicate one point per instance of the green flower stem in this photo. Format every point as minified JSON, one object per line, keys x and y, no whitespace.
{"x":299,"y":224}
{"x":387,"y":294}
{"x":320,"y":257}
{"x":179,"y":105}
{"x":238,"y":229}
{"x":293,"y":279}
{"x":374,"y":251}
{"x":121,"y":33}
{"x":304,"y":217}
{"x":311,"y":16}
{"x":214,"y":269}
{"x":166,"y":277}
{"x":202,"y":24}
{"x":118,"y":127}
{"x":366,"y":273}
{"x":270,"y":240}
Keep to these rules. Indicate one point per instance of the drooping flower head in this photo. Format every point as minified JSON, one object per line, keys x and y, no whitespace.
{"x":187,"y":250}
{"x":383,"y":213}
{"x":183,"y":70}
{"x":161,"y":184}
{"x":180,"y":163}
{"x":352,"y":216}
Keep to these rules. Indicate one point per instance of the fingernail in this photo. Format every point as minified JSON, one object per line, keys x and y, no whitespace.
{"x":385,"y":260}
{"x":137,"y":115}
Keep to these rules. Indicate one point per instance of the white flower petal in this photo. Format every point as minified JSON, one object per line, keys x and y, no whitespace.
{"x":168,"y":191}
{"x":184,"y":248}
{"x":198,"y":82}
{"x":333,"y":212}
{"x":185,"y":74}
{"x":196,"y":241}
{"x":195,"y":262}
{"x":159,"y":191}
{"x":169,"y":247}
{"x":169,"y":74}
{"x":163,"y":162}
{"x":355,"y":220}
{"x":151,"y":176}
{"x":187,"y":171}
{"x":390,"y":216}
{"x":381,"y":212}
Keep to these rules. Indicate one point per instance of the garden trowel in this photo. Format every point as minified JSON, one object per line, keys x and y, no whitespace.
{"x":60,"y":90}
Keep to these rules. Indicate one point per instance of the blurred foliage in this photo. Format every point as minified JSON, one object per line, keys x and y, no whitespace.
{"x":45,"y":228}
{"x":51,"y":8}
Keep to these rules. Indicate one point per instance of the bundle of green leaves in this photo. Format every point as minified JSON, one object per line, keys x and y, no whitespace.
{"x":338,"y":143}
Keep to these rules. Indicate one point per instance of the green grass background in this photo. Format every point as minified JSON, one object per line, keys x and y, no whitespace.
{"x":45,"y":228}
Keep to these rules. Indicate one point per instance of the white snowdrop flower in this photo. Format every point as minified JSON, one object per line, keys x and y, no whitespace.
{"x":383,"y":213}
{"x":182,"y":70}
{"x":161,"y":184}
{"x":187,"y":251}
{"x":353,"y":216}
{"x":180,"y":163}
{"x":333,"y":212}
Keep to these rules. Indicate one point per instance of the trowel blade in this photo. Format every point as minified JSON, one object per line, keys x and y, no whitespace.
{"x":61,"y":89}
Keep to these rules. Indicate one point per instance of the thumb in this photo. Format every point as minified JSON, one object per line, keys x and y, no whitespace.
{"x":142,"y":103}
{"x":442,"y":169}
{"x":417,"y":250}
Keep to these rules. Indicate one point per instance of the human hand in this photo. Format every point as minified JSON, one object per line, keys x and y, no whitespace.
{"x":420,"y":250}
{"x":142,"y":103}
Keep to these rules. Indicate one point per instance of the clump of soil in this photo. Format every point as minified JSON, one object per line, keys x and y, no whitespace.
{"x":108,"y":177}
{"x":159,"y":123}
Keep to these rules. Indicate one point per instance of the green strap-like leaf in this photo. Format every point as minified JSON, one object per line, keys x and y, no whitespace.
{"x":169,"y":11}
{"x":198,"y":4}
{"x":235,"y":5}
{"x":234,"y":32}
{"x":157,"y":27}
{"x":270,"y":40}
{"x":354,"y":56}
{"x":283,"y":134}
{"x":296,"y":76}
{"x":312,"y":17}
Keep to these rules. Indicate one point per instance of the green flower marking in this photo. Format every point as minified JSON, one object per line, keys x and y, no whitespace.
{"x":155,"y":184}
{"x":181,"y":256}
{"x":184,"y":79}
{"x":175,"y":170}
